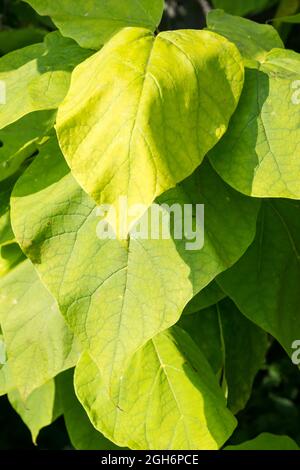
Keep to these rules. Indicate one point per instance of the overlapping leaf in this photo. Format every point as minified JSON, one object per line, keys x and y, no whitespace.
{"x":37,"y":77}
{"x":265,"y":282}
{"x":38,"y":342}
{"x":82,"y":433}
{"x":116,"y":295}
{"x":19,"y":141}
{"x":259,"y":154}
{"x":267,"y":441}
{"x":38,"y":410}
{"x":242,"y":7}
{"x":209,"y":296}
{"x":169,"y":387}
{"x":233,"y":345}
{"x":129,"y":111}
{"x":254,"y":40}
{"x":92,"y":23}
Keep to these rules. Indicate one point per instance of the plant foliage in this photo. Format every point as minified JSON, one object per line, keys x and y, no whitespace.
{"x":142,"y":343}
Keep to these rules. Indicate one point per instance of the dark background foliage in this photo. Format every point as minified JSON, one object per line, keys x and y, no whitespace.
{"x":275,"y":402}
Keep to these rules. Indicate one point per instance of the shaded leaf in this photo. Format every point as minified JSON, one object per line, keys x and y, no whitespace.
{"x":92,"y":24}
{"x":264,"y":283}
{"x":253,"y":40}
{"x":37,"y":76}
{"x":259,"y":155}
{"x":266,"y":441}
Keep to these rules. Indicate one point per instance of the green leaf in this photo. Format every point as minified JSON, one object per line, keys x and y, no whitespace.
{"x":19,"y":140}
{"x":81,"y":432}
{"x":289,"y":19}
{"x":229,"y":225}
{"x":127,"y":291}
{"x":116,"y":295}
{"x":39,"y":344}
{"x":259,"y":155}
{"x":264,"y":283}
{"x":243,"y":7}
{"x":38,"y":76}
{"x":92,"y":23}
{"x":141,"y":118}
{"x":209,"y":296}
{"x":204,"y":329}
{"x":266,"y":441}
{"x":10,"y":256}
{"x":37,"y":410}
{"x":6,"y":233}
{"x":240,"y":355}
{"x":6,"y":384}
{"x":253,"y":40}
{"x":169,"y":387}
{"x":12,"y":39}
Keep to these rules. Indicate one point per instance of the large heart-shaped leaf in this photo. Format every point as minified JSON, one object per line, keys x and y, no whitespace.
{"x":116,"y":295}
{"x":170,"y":387}
{"x":92,"y":23}
{"x":124,"y":118}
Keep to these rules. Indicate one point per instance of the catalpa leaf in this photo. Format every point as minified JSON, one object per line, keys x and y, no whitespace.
{"x":170,"y":387}
{"x":39,"y":344}
{"x":264,"y":283}
{"x":209,"y":296}
{"x":130,"y":117}
{"x":242,"y":7}
{"x":19,"y":140}
{"x":92,"y":23}
{"x":259,"y":155}
{"x":266,"y":441}
{"x":6,"y":383}
{"x":12,"y":39}
{"x":6,"y":233}
{"x":81,"y":432}
{"x":290,"y":19}
{"x":10,"y":256}
{"x":37,"y":77}
{"x":37,"y":410}
{"x":117,"y":294}
{"x":253,"y":40}
{"x":234,"y":346}
{"x":229,"y":220}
